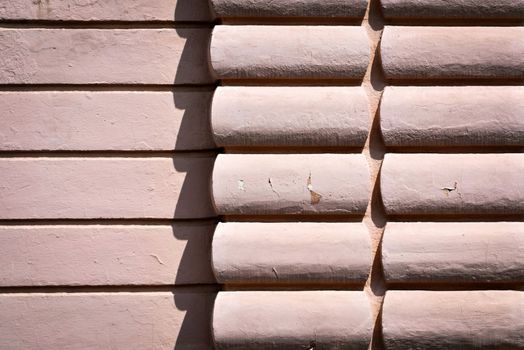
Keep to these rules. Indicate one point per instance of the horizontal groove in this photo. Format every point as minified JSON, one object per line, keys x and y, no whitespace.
{"x":292,"y":287}
{"x":294,"y":150}
{"x":310,"y":21}
{"x":455,"y":22}
{"x":197,"y":288}
{"x":292,"y":218}
{"x":458,"y":81}
{"x":94,"y":222}
{"x":77,"y":24}
{"x":439,"y":217}
{"x":290,"y":82}
{"x":455,"y":149}
{"x":107,"y":87}
{"x":107,"y":154}
{"x":459,"y":286}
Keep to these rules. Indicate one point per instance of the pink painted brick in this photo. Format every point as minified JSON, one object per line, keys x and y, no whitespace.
{"x":89,"y":321}
{"x":82,"y":188}
{"x":290,"y":116}
{"x":453,"y":116}
{"x":277,"y":184}
{"x":98,"y":255}
{"x":108,"y":10}
{"x":453,"y":320}
{"x":292,"y":320}
{"x":105,"y":120}
{"x":452,"y":52}
{"x":447,"y":184}
{"x":289,"y":52}
{"x":412,"y":9}
{"x":248,"y":253}
{"x":453,"y":253}
{"x":289,"y":8}
{"x":105,"y":56}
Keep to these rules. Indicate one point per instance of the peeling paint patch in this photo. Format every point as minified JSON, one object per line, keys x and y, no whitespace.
{"x":315,"y":196}
{"x":447,"y":190}
{"x":241,"y":185}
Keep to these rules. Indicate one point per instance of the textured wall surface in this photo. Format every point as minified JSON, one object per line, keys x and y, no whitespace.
{"x":241,"y":174}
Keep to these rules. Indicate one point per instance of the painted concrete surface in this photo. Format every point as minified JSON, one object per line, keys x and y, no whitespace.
{"x":105,"y":56}
{"x":111,"y":189}
{"x":106,"y":120}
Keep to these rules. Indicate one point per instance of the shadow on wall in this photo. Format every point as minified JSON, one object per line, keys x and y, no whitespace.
{"x":197,"y":302}
{"x":195,"y":330}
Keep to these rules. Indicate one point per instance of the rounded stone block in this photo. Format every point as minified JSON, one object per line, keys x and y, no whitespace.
{"x":290,"y":116}
{"x":286,"y":253}
{"x":452,"y":52}
{"x":292,"y":320}
{"x":453,"y":253}
{"x":289,"y":52}
{"x":289,"y":8}
{"x":453,"y":116}
{"x":278,"y":184}
{"x":465,"y":320}
{"x":453,"y":184}
{"x":443,"y":9}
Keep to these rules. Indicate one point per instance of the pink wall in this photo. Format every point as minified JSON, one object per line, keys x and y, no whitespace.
{"x":192,"y":174}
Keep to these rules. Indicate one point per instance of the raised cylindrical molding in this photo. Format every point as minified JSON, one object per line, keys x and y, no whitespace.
{"x":453,"y":320}
{"x":289,"y":8}
{"x":452,"y":253}
{"x":415,"y":53}
{"x":290,"y":117}
{"x":292,"y":320}
{"x":463,"y":9}
{"x":279,"y":184}
{"x":453,"y":184}
{"x":452,"y":116}
{"x":289,"y":52}
{"x":291,"y":253}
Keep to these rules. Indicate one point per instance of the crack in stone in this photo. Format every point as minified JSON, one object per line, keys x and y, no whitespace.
{"x":271,"y":185}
